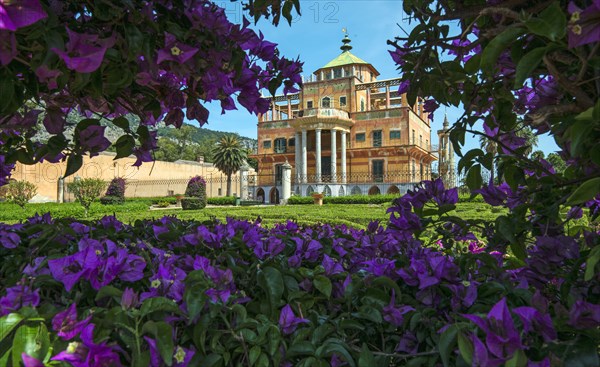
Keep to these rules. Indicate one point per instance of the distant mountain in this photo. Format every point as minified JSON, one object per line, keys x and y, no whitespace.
{"x":188,"y":142}
{"x":202,"y":136}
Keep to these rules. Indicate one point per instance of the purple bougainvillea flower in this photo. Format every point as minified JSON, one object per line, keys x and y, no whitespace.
{"x":408,"y":343}
{"x":181,"y":356}
{"x":55,"y":120}
{"x":430,"y":106}
{"x":584,"y":25}
{"x":393,"y":314}
{"x":89,"y":354}
{"x":398,"y":54}
{"x":129,"y":299}
{"x":331,"y":266}
{"x":66,"y":325}
{"x":68,"y":270}
{"x":30,"y":361}
{"x":403,"y":88}
{"x":19,"y":296}
{"x":480,"y":353}
{"x":493,"y":195}
{"x":85,"y":52}
{"x":175,"y":51}
{"x":575,"y":212}
{"x":534,"y":320}
{"x":48,"y":76}
{"x":288,"y":321}
{"x":8,"y":47}
{"x":584,"y":315}
{"x":19,"y":14}
{"x":502,"y":338}
{"x":92,"y":139}
{"x":9,"y":239}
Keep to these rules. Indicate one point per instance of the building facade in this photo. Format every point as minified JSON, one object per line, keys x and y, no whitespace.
{"x":346,"y":132}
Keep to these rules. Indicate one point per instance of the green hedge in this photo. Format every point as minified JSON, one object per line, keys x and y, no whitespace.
{"x":223,"y":200}
{"x":193,"y":203}
{"x":351,"y":199}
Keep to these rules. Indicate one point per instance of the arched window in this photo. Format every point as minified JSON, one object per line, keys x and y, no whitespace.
{"x":326,"y":102}
{"x":362,"y":104}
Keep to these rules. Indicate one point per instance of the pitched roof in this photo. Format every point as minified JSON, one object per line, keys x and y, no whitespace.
{"x":345,"y":58}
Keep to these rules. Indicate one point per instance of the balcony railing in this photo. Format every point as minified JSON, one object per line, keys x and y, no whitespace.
{"x":324,"y":112}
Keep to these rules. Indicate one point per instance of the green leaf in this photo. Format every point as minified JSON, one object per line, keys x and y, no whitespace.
{"x":336,"y":346}
{"x":527,"y":65}
{"x":551,"y":23}
{"x":163,"y":334}
{"x":271,"y":281}
{"x":447,"y":343}
{"x":301,"y":348}
{"x":366,"y":359}
{"x":108,"y":291}
{"x":7,"y":93}
{"x":31,"y":340}
{"x":158,"y":304}
{"x":587,"y":191}
{"x":8,"y":323}
{"x":323,"y":285}
{"x":474,"y":179}
{"x":591,"y":262}
{"x":255,"y":352}
{"x":583,"y":353}
{"x":490,"y":54}
{"x":121,"y":122}
{"x":74,"y":163}
{"x":519,"y":359}
{"x":465,"y":346}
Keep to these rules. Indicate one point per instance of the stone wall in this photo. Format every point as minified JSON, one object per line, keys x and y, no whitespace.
{"x":151,"y":179}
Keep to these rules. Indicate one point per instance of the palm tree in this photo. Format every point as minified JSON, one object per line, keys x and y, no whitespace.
{"x":228,"y":157}
{"x":489,"y":146}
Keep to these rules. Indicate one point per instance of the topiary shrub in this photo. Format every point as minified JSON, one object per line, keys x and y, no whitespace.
{"x":115,"y":194}
{"x":20,"y":192}
{"x":192,"y":203}
{"x":195,"y":193}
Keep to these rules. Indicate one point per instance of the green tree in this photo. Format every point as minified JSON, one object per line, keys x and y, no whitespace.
{"x":557,"y":162}
{"x":86,"y":191}
{"x":20,"y":192}
{"x":537,"y":155}
{"x":228,"y":157}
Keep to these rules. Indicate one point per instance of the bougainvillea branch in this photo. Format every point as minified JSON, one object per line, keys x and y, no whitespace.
{"x":158,"y":61}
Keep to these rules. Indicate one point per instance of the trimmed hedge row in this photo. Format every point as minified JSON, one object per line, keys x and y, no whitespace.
{"x":224,"y":200}
{"x":351,"y":199}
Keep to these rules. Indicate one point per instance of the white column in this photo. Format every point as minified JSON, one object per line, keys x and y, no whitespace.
{"x":333,"y":156}
{"x":318,"y":155}
{"x":304,"y":156}
{"x":343,"y":144}
{"x":286,"y":183}
{"x":298,"y":156}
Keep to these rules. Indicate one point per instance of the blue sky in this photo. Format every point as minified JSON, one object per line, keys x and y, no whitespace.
{"x":315,"y":36}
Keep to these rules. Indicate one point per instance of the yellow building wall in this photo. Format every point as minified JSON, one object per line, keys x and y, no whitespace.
{"x":46,"y":175}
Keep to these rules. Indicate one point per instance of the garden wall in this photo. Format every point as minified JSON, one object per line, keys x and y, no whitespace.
{"x":149,"y":180}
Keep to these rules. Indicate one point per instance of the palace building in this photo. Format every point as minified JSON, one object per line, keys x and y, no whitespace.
{"x":345,"y":133}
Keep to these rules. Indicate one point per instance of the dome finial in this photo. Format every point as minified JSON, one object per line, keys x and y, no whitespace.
{"x":346,"y":41}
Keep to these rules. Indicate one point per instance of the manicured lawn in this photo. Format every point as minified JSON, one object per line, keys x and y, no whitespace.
{"x":355,"y":215}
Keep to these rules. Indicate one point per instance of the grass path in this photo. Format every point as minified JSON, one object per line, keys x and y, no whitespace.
{"x":356,"y":215}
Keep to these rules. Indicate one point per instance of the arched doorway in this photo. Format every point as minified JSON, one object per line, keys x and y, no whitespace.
{"x":260,"y":195}
{"x":327,"y":191}
{"x":393,"y":190}
{"x":274,"y":196}
{"x":309,"y":190}
{"x":374,"y":190}
{"x":341,"y":192}
{"x":355,"y":191}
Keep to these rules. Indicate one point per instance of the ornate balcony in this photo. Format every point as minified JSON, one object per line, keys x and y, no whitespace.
{"x":322,"y":118}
